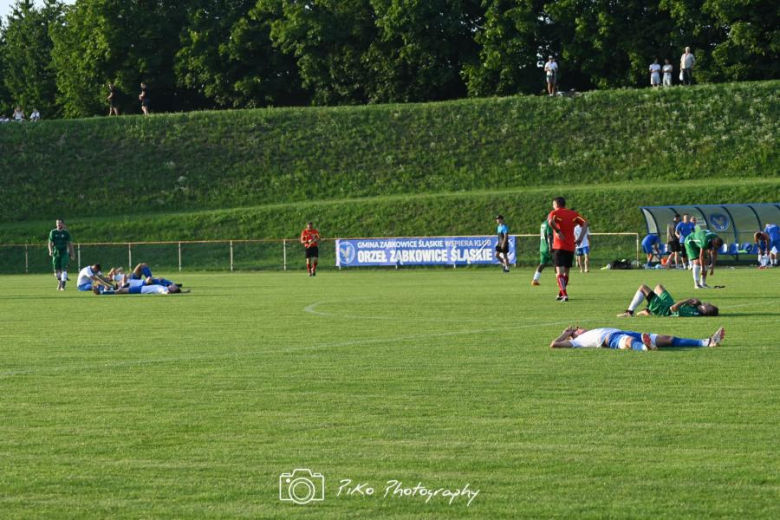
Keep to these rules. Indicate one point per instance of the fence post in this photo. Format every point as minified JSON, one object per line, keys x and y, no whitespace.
{"x":26,"y":260}
{"x":637,"y":248}
{"x":231,"y":255}
{"x":284,"y":254}
{"x":129,"y":256}
{"x":179,"y":256}
{"x":78,"y":254}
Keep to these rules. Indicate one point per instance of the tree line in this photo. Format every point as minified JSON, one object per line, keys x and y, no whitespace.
{"x":205,"y":54}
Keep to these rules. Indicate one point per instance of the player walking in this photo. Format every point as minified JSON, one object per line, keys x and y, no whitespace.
{"x":545,"y":249}
{"x":310,"y":238}
{"x":502,"y":247}
{"x":562,"y":221}
{"x":61,"y":252}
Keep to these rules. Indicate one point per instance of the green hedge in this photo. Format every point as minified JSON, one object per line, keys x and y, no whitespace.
{"x":211,"y":160}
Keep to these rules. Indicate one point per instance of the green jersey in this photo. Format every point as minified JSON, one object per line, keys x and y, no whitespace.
{"x":687,"y":311}
{"x":60,"y":238}
{"x":701,"y":238}
{"x":546,"y":237}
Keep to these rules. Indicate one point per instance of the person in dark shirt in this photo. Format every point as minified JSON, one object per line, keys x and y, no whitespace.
{"x":144,"y":98}
{"x":113,"y":108}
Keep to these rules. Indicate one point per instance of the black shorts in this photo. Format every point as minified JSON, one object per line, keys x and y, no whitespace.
{"x":504,"y":249}
{"x":563,"y":258}
{"x":313,"y":252}
{"x":674,"y":246}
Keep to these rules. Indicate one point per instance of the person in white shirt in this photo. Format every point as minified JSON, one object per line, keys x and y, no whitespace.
{"x":18,"y":115}
{"x":583,"y":250}
{"x":551,"y":72}
{"x":578,"y":337}
{"x":139,"y":287}
{"x":655,"y":74}
{"x":91,"y":277}
{"x":687,"y":62}
{"x":668,"y":70}
{"x":35,"y":116}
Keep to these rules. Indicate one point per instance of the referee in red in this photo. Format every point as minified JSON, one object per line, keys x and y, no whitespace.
{"x":563,"y":221}
{"x":310,"y":238}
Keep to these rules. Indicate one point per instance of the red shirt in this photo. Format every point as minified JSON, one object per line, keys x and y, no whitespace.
{"x":310,"y":238}
{"x":565,"y":220}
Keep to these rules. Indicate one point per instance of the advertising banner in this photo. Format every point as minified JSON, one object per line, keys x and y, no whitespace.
{"x":399,"y":251}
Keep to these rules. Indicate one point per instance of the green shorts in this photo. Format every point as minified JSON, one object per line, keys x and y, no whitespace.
{"x":692,"y":250}
{"x":60,"y":260}
{"x":661,"y":304}
{"x":544,"y":257}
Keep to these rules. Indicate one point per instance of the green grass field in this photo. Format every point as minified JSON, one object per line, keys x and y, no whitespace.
{"x":192,"y":406}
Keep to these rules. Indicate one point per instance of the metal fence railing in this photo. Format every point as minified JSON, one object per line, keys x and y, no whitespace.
{"x":247,"y":255}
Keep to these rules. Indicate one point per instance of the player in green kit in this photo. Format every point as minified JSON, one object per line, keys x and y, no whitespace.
{"x":61,"y":252}
{"x":545,"y":248}
{"x":661,"y":303}
{"x":697,"y":245}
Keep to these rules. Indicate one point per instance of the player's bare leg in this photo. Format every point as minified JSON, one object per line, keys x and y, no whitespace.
{"x":641,"y":294}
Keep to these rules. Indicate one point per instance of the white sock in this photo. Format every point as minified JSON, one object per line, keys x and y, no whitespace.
{"x":696,"y":273}
{"x":537,"y":276}
{"x":64,"y":276}
{"x":654,"y":340}
{"x":637,"y":301}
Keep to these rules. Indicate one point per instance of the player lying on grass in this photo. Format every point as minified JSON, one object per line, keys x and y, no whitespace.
{"x":143,"y":272}
{"x":661,"y":303}
{"x":139,"y":287}
{"x":577,"y":337}
{"x":91,"y":276}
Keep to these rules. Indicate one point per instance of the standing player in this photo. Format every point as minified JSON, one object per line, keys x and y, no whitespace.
{"x":673,"y":243}
{"x":545,"y":249}
{"x":773,"y":238}
{"x":762,"y":248}
{"x":699,"y":245}
{"x":684,"y":229}
{"x":310,"y":238}
{"x":562,"y":222}
{"x":502,"y":247}
{"x":61,"y":252}
{"x":583,"y":250}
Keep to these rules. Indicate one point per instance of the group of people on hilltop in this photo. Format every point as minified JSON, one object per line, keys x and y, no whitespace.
{"x":659,"y":74}
{"x":18,"y":116}
{"x":687,"y":62}
{"x":113,"y":100}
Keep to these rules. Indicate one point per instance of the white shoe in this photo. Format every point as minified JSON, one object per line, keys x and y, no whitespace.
{"x":717,"y":338}
{"x":647,"y":342}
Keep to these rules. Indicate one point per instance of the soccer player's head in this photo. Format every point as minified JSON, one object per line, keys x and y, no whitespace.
{"x":685,"y":217}
{"x":717,"y":242}
{"x":173,"y":288}
{"x":499,"y":218}
{"x":96,"y":267}
{"x":758,"y":235}
{"x":559,"y":202}
{"x":676,"y":217}
{"x":310,"y":225}
{"x":708,"y":309}
{"x":60,"y":223}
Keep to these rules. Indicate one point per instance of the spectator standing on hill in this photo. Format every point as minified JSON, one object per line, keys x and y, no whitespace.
{"x":113,"y":108}
{"x":143,"y":97}
{"x":650,"y":246}
{"x":668,"y":70}
{"x":655,"y":74}
{"x":18,"y":115}
{"x":687,"y":62}
{"x":583,"y":250}
{"x":672,"y":242}
{"x":61,"y":252}
{"x":551,"y":73}
{"x":310,"y":238}
{"x":684,"y":229}
{"x":562,"y":221}
{"x":545,"y":250}
{"x":502,"y":246}
{"x":35,"y":116}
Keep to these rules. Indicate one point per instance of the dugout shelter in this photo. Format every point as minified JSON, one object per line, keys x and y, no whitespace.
{"x":734,"y":223}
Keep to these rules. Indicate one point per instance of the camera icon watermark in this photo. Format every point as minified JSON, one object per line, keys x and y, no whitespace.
{"x":301,"y":486}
